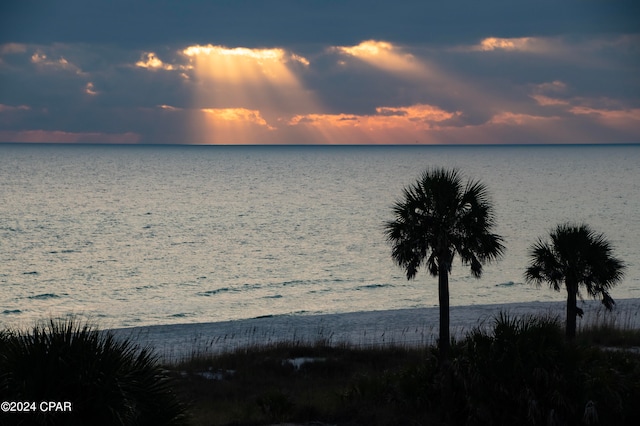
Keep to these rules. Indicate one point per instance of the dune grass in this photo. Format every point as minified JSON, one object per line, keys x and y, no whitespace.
{"x":603,"y":329}
{"x":511,"y":370}
{"x":284,"y":381}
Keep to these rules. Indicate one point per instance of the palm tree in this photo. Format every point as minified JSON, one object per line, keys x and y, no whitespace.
{"x":576,"y":256}
{"x":438,"y":218}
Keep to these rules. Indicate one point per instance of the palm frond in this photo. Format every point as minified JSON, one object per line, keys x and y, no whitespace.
{"x":545,"y":266}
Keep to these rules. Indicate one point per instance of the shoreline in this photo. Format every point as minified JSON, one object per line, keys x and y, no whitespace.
{"x":413,"y":327}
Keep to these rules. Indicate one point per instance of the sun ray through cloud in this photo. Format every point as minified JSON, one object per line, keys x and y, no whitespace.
{"x":241,"y":92}
{"x":386,"y":56}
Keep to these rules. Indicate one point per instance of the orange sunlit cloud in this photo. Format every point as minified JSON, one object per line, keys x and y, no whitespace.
{"x":236,"y":115}
{"x":544,"y":93}
{"x":384,"y":55}
{"x":519,"y":119}
{"x":537,"y":45}
{"x":90,"y":89}
{"x":56,"y":136}
{"x":421,"y":113}
{"x":224,"y":125}
{"x":41,"y":59}
{"x":168,"y":108}
{"x":615,"y":118}
{"x":548,"y":101}
{"x":151,"y":61}
{"x":389,"y":124}
{"x":496,"y":43}
{"x":229,"y":126}
{"x":554,"y":87}
{"x":630,"y":114}
{"x":7,"y":108}
{"x":10,"y":48}
{"x":608,"y":112}
{"x":418,"y":116}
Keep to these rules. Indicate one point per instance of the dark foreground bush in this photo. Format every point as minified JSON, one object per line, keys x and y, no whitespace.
{"x":106,"y":380}
{"x":519,"y":371}
{"x":523,"y":370}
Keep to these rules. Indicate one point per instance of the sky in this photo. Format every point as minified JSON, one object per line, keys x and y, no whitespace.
{"x":320,"y":71}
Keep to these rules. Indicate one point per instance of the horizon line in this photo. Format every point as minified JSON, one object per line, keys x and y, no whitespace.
{"x":390,"y":145}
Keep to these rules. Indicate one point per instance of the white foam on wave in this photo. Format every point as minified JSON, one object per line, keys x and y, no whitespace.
{"x":363,"y":329}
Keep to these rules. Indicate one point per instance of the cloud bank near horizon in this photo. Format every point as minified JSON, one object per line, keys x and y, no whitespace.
{"x":360,"y":75}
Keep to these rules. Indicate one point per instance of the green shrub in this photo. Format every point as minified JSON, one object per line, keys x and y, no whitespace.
{"x":108,"y":381}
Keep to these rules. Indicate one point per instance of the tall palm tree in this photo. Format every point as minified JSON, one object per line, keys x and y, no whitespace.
{"x":576,"y":256}
{"x":437,"y":218}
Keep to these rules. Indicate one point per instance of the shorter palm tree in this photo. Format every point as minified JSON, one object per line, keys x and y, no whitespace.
{"x":576,"y":256}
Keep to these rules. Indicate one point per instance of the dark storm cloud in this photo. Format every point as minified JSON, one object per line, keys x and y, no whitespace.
{"x":289,"y":22}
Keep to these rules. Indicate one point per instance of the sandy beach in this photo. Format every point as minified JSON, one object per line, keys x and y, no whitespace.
{"x":402,"y":327}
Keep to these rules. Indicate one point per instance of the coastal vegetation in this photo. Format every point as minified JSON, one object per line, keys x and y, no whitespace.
{"x":510,"y":370}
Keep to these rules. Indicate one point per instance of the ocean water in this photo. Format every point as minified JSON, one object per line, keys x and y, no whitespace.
{"x":150,"y":235}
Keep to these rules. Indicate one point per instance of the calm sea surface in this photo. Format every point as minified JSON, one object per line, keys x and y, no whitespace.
{"x":143,"y":235}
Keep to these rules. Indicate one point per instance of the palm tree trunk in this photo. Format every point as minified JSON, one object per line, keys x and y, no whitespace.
{"x":443,"y":296}
{"x":572,"y":311}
